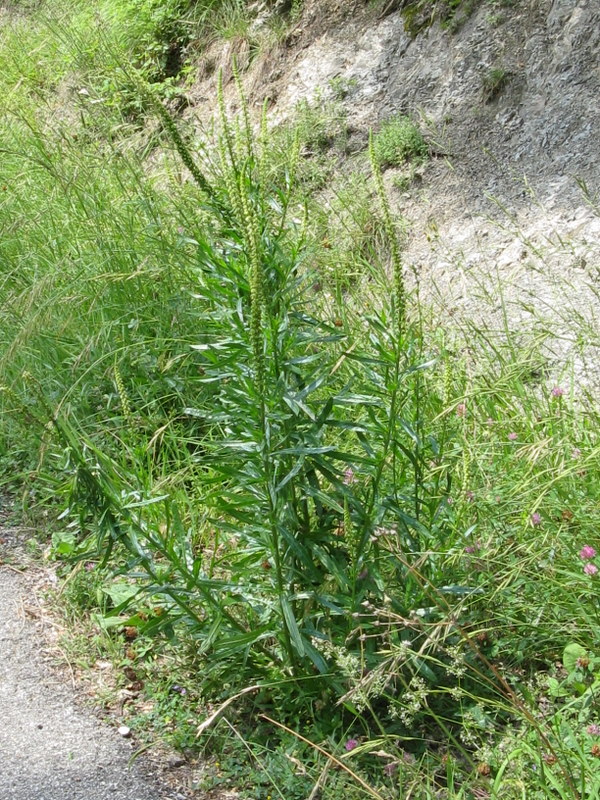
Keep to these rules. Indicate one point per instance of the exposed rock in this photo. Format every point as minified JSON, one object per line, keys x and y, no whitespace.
{"x":509,"y":103}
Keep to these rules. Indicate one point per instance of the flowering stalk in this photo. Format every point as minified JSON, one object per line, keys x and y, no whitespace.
{"x":230,"y":179}
{"x":180,"y":146}
{"x":237,"y":175}
{"x":352,"y":539}
{"x":399,"y":290}
{"x":252,"y":235}
{"x":244,"y":139}
{"x":123,"y":398}
{"x":224,"y":120}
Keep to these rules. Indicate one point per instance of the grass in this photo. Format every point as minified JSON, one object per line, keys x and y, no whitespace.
{"x":493,"y":82}
{"x":419,"y":15}
{"x":276,"y":479}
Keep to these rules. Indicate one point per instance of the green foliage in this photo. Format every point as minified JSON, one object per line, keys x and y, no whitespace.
{"x":272,"y":462}
{"x":351,"y":222}
{"x":155,"y":31}
{"x":399,"y":140}
{"x":275,"y":472}
{"x":341,"y":87}
{"x":493,"y":82}
{"x":318,"y":131}
{"x":450,"y":14}
{"x":321,"y":125}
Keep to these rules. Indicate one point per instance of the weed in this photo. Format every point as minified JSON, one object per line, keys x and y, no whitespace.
{"x":319,"y":128}
{"x":494,"y":82}
{"x":399,"y":141}
{"x":421,"y":14}
{"x":341,"y":87}
{"x":321,"y":125}
{"x":495,"y":19}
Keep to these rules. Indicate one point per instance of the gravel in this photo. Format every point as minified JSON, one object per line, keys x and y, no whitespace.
{"x":51,"y":748}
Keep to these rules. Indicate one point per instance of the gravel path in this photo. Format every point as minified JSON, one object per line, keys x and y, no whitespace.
{"x":51,"y":749}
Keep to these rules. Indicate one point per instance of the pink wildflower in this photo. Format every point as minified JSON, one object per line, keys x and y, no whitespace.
{"x":349,"y":477}
{"x":536,"y":518}
{"x":593,"y":729}
{"x":512,"y":436}
{"x":587,"y":552}
{"x":590,"y":569}
{"x":558,"y":391}
{"x":461,"y":409}
{"x":575,"y":453}
{"x":351,"y":744}
{"x":389,"y":769}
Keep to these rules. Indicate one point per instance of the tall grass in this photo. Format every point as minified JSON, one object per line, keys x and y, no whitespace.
{"x":368,"y":528}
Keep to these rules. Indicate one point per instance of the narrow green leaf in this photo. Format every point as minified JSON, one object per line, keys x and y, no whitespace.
{"x":292,"y":625}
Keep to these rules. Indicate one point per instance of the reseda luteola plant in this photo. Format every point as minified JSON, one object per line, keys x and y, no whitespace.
{"x":311,"y":475}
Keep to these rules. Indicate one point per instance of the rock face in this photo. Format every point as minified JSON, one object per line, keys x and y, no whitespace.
{"x":521,"y":83}
{"x":510,"y":105}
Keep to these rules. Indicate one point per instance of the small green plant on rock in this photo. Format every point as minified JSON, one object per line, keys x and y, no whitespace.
{"x":419,"y":15}
{"x":341,"y":87}
{"x":399,"y":141}
{"x":494,"y":82}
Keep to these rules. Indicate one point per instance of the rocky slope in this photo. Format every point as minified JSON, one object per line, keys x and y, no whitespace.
{"x":509,"y":105}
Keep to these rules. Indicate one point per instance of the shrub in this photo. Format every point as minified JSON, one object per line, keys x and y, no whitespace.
{"x":398,"y":141}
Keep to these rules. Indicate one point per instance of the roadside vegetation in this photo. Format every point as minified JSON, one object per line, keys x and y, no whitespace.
{"x":340,"y":545}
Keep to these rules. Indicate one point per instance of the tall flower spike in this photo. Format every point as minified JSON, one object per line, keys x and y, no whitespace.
{"x":351,"y":535}
{"x":247,"y":130}
{"x":390,"y":231}
{"x":252,"y":237}
{"x":230,"y":180}
{"x":225,"y":127}
{"x":180,"y":146}
{"x":263,"y":148}
{"x":229,"y":165}
{"x":448,"y":380}
{"x":123,"y":398}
